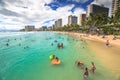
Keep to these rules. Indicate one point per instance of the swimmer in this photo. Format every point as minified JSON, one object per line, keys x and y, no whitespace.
{"x":52,"y":44}
{"x":19,"y":44}
{"x":57,"y":58}
{"x":60,"y":45}
{"x":86,"y":73}
{"x":93,"y":67}
{"x":7,"y":44}
{"x":55,"y":41}
{"x":80,"y":64}
{"x":26,"y":47}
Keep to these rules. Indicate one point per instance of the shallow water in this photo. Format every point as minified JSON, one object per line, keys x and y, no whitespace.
{"x":109,"y":56}
{"x":33,"y":63}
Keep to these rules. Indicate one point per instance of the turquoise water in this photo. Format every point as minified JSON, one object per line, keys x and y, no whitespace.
{"x":33,"y":63}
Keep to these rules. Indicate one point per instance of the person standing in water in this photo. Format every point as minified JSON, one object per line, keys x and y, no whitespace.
{"x":86,"y":74}
{"x":93,"y":67}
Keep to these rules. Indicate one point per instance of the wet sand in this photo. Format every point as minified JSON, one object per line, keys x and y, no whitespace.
{"x":108,"y":56}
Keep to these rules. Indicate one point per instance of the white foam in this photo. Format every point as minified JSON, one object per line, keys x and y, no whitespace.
{"x":6,"y":34}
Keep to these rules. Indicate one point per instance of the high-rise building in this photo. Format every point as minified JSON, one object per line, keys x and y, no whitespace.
{"x":29,"y":28}
{"x":44,"y":28}
{"x":58,"y":23}
{"x":55,"y":24}
{"x":115,"y":6}
{"x":82,"y":18}
{"x":72,"y":20}
{"x":94,"y":9}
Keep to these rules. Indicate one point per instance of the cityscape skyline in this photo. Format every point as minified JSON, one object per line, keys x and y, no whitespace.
{"x":17,"y":14}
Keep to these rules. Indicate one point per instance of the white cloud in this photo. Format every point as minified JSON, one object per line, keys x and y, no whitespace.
{"x":35,"y":12}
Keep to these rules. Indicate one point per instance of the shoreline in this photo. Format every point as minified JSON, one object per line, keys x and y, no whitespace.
{"x":108,"y":56}
{"x":115,"y":43}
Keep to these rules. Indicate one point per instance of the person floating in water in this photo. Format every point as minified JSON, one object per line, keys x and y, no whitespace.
{"x":55,"y":41}
{"x":7,"y":44}
{"x":80,"y":64}
{"x":57,"y":59}
{"x":52,"y":44}
{"x":54,"y":59}
{"x":86,"y":73}
{"x":60,"y":45}
{"x":93,"y":67}
{"x":19,"y":44}
{"x":26,"y":47}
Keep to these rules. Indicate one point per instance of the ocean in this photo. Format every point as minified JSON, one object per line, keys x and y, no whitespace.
{"x":25,"y":56}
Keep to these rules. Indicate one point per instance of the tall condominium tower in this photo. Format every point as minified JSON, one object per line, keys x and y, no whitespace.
{"x":82,"y":18}
{"x":115,"y":6}
{"x":29,"y":28}
{"x":58,"y":23}
{"x":72,"y":20}
{"x":94,"y":9}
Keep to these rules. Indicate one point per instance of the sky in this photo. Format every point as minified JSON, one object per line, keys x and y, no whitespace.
{"x":15,"y":14}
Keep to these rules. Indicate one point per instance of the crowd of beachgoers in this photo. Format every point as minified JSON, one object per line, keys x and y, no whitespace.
{"x":108,"y":41}
{"x":56,"y":61}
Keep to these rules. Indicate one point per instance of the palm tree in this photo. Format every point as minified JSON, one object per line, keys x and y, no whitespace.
{"x":117,"y":16}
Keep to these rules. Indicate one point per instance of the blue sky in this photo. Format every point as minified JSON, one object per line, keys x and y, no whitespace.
{"x":15,"y":14}
{"x":61,"y":3}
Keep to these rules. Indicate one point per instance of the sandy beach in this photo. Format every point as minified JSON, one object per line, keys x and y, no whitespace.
{"x":96,"y":38}
{"x":108,"y":56}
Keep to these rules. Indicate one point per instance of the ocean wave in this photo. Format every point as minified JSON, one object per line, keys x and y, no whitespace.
{"x":6,"y":34}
